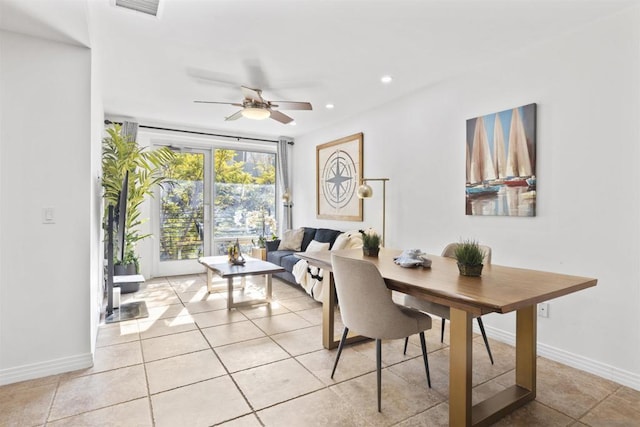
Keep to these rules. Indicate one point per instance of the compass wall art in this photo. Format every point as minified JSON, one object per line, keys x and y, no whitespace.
{"x":338,"y":175}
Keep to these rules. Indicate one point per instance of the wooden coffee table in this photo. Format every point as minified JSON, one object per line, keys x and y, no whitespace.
{"x":221,"y":266}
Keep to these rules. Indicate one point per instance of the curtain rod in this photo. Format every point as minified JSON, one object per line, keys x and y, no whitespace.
{"x":108,"y":122}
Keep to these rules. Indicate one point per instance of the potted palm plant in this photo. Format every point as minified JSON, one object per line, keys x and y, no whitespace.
{"x":119,"y":155}
{"x":470,"y":257}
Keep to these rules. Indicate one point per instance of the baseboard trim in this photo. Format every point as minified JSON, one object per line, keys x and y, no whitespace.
{"x":44,"y":369}
{"x":600,"y":369}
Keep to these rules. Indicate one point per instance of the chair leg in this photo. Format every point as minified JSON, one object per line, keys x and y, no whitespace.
{"x":406,"y":341}
{"x":342,"y":341}
{"x":484,"y":337}
{"x":379,"y":370}
{"x":423,"y":344}
{"x":442,"y":330}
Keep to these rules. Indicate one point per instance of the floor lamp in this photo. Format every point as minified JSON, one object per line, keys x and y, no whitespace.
{"x":365,"y":192}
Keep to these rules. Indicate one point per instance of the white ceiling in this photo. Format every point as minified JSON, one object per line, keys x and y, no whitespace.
{"x":322,"y":51}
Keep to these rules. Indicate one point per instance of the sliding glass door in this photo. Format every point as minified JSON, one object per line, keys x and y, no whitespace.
{"x":183,"y":219}
{"x":244,"y":198}
{"x":214,"y":198}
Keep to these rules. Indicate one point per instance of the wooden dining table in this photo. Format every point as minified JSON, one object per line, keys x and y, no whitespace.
{"x":500,"y":289}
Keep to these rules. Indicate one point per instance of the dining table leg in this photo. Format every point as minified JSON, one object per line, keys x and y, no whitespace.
{"x":329,"y":304}
{"x":328,"y":314}
{"x":526,"y":352}
{"x":490,"y":410}
{"x":460,"y":368}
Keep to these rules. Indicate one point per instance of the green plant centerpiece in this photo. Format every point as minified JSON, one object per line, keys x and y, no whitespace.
{"x":120,"y":154}
{"x":370,"y":242}
{"x":470,"y":257}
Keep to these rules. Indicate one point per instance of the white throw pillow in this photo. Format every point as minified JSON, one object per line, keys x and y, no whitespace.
{"x":355,"y":240}
{"x":291,"y":240}
{"x":315,"y":246}
{"x":348,"y":240}
{"x":340,"y":242}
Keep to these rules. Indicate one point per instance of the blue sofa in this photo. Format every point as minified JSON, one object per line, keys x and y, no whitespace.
{"x":287,"y":259}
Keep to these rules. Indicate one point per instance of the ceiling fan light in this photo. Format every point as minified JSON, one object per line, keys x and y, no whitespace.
{"x":256,"y":113}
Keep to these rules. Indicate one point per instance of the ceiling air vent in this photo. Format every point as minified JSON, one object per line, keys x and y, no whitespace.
{"x":149,"y":7}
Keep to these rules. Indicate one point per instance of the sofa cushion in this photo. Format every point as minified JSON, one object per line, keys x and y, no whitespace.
{"x":291,"y":240}
{"x":316,"y":246}
{"x":309,"y":232}
{"x":340,"y":242}
{"x":348,"y":240}
{"x":272,"y":245}
{"x":354,"y":241}
{"x":276,"y":256}
{"x":288,"y":261}
{"x":326,"y":235}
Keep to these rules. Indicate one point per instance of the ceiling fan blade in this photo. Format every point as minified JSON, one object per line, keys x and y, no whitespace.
{"x":210,"y":77}
{"x":253,"y":94}
{"x":216,"y":102}
{"x":281,"y":117}
{"x":290,"y":105}
{"x":255,"y":73}
{"x":234,"y":116}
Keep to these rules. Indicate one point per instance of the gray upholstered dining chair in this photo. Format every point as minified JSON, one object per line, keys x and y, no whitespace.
{"x":443,"y":311}
{"x":366,"y":307}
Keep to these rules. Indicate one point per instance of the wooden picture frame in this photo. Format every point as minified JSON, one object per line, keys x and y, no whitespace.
{"x":338,"y":175}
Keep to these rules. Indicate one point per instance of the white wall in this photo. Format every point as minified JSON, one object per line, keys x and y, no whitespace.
{"x":96,"y":203}
{"x":45,"y":161}
{"x":586,"y":85}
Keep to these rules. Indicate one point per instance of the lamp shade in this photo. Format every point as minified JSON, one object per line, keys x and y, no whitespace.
{"x":365,"y":191}
{"x":256,"y":113}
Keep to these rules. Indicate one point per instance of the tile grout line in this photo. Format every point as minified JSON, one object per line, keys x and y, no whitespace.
{"x":228,"y":373}
{"x":53,"y":399}
{"x":324,"y":386}
{"x":146,"y":378}
{"x":594,"y":406}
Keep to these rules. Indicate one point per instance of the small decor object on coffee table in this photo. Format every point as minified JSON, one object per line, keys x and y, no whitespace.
{"x":469,"y":256}
{"x":235,"y":256}
{"x":370,"y":242}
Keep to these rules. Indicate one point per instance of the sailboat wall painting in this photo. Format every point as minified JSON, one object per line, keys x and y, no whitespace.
{"x":501,"y":163}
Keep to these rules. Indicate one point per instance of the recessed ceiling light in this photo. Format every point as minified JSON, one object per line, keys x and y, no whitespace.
{"x":292,"y":123}
{"x":329,"y":106}
{"x":386,"y":79}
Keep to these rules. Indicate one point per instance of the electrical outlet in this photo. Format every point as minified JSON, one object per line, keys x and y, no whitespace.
{"x":543,"y":309}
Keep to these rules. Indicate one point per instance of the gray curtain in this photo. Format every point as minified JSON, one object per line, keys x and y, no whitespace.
{"x":284,"y":145}
{"x":130,"y":129}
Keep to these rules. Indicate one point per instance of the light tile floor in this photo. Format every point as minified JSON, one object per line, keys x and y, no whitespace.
{"x":194,"y":363}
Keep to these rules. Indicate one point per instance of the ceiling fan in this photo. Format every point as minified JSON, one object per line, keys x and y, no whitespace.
{"x":254,"y":106}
